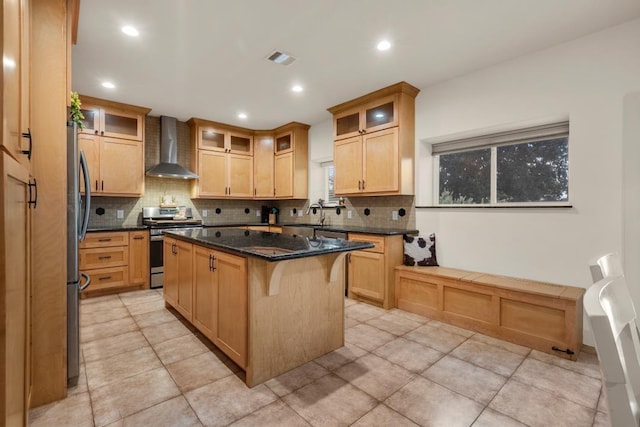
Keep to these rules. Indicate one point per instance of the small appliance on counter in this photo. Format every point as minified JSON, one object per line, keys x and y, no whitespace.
{"x":264,"y":214}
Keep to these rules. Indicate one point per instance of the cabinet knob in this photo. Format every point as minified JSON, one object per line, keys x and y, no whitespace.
{"x":96,"y":131}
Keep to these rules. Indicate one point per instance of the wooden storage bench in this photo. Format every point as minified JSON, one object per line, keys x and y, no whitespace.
{"x":539,"y":315}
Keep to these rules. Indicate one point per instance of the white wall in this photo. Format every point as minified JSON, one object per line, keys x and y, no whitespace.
{"x":588,"y":79}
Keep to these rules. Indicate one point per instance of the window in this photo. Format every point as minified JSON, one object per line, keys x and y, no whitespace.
{"x":522,"y":167}
{"x":329,"y":195}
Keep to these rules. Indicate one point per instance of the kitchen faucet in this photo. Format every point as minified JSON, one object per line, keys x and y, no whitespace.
{"x":318,"y":206}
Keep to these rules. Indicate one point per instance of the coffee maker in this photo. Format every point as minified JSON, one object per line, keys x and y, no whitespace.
{"x":264,"y":214}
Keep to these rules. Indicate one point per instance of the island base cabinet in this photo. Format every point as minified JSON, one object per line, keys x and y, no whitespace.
{"x":178,"y":275}
{"x":205,"y":295}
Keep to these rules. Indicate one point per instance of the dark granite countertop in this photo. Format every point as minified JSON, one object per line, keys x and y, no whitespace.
{"x":338,"y":228}
{"x":268,"y":246}
{"x":99,"y":228}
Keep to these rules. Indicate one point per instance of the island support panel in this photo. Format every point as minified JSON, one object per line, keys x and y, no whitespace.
{"x":297,"y":322}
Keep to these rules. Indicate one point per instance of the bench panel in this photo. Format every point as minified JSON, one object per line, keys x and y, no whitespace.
{"x":475,"y":305}
{"x":536,"y":320}
{"x":418,"y":297}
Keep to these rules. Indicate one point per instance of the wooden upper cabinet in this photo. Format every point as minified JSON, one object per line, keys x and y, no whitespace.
{"x":115,"y":177}
{"x":291,"y":159}
{"x":263,"y":167}
{"x":374,"y":143}
{"x":112,"y":119}
{"x":284,"y":142}
{"x":215,"y":136}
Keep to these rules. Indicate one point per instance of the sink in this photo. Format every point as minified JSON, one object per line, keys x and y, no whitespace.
{"x":308,"y":231}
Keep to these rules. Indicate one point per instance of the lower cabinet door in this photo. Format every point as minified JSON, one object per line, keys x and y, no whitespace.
{"x":139,"y":258}
{"x":205,"y":292}
{"x":185,"y":279}
{"x":366,"y":274}
{"x":231,"y":334}
{"x":170,"y":285}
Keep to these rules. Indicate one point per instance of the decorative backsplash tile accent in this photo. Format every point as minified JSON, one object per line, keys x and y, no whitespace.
{"x":233,"y":211}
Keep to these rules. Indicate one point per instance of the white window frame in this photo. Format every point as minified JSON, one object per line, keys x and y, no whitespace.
{"x":535,"y":133}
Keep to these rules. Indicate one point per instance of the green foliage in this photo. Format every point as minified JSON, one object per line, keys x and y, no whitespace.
{"x":447,"y":198}
{"x":465,"y":177}
{"x":75,"y":113}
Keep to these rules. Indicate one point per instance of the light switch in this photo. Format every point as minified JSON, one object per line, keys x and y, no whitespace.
{"x":291,"y":212}
{"x":120,"y":214}
{"x":300,"y":212}
{"x":205,"y":213}
{"x":349,"y":215}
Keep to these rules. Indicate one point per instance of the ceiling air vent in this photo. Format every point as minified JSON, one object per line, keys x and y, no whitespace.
{"x":281,"y":58}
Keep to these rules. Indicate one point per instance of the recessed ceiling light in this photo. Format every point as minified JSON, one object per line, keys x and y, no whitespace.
{"x":297,"y":88}
{"x":130,"y":31}
{"x":383,"y":45}
{"x":108,"y":85}
{"x":242,"y":115}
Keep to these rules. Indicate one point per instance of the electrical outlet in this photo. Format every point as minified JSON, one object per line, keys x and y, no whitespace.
{"x":291,"y":212}
{"x":300,"y":213}
{"x":120,"y":214}
{"x":349,"y":215}
{"x":394,"y":215}
{"x":205,"y":213}
{"x":257,"y":212}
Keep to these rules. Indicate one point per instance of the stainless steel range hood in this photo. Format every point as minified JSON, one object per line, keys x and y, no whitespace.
{"x":168,"y":166}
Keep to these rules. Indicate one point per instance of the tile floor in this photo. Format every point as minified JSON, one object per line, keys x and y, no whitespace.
{"x":142,"y":366}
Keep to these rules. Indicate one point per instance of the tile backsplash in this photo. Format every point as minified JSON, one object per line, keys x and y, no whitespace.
{"x":238,"y":211}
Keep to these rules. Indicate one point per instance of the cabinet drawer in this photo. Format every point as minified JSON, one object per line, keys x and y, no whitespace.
{"x":104,"y":257}
{"x":378,"y":241}
{"x":101,"y":240}
{"x":104,"y":278}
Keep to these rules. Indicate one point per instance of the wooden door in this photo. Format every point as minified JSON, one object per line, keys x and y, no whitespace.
{"x":139,"y":258}
{"x":205,"y":292}
{"x":11,"y":67}
{"x":284,"y":175}
{"x":170,"y":279}
{"x":231,"y":276}
{"x":263,"y":166}
{"x":15,"y":288}
{"x":240,"y":175}
{"x":121,"y":167}
{"x":347,"y":162}
{"x":366,"y":274}
{"x":381,"y":171}
{"x":122,"y":124}
{"x":185,"y":278}
{"x":212,"y":171}
{"x":25,"y":81}
{"x":90,"y":145}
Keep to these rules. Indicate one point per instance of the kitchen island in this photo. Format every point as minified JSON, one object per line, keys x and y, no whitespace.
{"x":271,"y":302}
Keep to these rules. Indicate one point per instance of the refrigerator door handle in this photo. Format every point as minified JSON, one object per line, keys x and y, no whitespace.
{"x":87,"y":192}
{"x":87,"y":283}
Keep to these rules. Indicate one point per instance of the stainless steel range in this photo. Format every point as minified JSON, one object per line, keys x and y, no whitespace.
{"x":158,"y":220}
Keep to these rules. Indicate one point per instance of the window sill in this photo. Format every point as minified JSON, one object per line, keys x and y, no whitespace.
{"x":505,"y":206}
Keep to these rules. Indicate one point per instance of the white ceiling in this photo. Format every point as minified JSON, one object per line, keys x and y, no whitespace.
{"x":206,"y":58}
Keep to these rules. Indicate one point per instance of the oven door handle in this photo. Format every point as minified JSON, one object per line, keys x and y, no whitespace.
{"x":156,"y":238}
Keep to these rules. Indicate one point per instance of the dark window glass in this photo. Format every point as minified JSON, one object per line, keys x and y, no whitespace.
{"x":533,"y":172}
{"x":465,"y":177}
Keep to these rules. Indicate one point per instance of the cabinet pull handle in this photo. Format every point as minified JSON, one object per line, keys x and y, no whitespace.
{"x":229,"y":190}
{"x":104,"y":278}
{"x":254,"y":191}
{"x":363,"y":184}
{"x":274,"y":191}
{"x":105,"y":239}
{"x":138,"y":238}
{"x":27,"y":134}
{"x":102,"y":132}
{"x":105,"y":257}
{"x":174,"y":249}
{"x":96,"y":185}
{"x":33,"y":201}
{"x":213,"y":260}
{"x":359,"y":185}
{"x":96,"y":131}
{"x":102,"y":185}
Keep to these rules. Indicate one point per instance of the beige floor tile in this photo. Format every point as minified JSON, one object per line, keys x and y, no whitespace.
{"x":367,"y":337}
{"x":579,"y":388}
{"x":469,"y":380}
{"x":197,"y":371}
{"x":81,"y":386}
{"x":348,"y":302}
{"x":126,"y":397}
{"x":436,"y":338}
{"x":180,"y":348}
{"x":107,"y":329}
{"x":427,"y":403}
{"x":408,"y":354}
{"x":330,"y":401}
{"x":363,"y":312}
{"x":394,"y":324}
{"x":603,"y":403}
{"x":452,"y":329}
{"x":226,"y":400}
{"x":130,"y":298}
{"x":154,"y":318}
{"x":115,"y":368}
{"x":119,"y":423}
{"x":587,"y":364}
{"x":493,"y":358}
{"x":110,"y":346}
{"x":74,"y":411}
{"x":411,"y":316}
{"x":94,"y":300}
{"x":513,"y":348}
{"x":350,"y":322}
{"x":383,"y":416}
{"x":175,"y":412}
{"x":99,"y":316}
{"x":296,"y":378}
{"x":164,"y":332}
{"x":375,"y":376}
{"x":340,"y":357}
{"x":601,"y":420}
{"x":276,"y":414}
{"x":491,"y":418}
{"x":535,"y":407}
{"x":146,"y":307}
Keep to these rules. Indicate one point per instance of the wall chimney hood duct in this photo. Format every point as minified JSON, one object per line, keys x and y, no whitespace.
{"x":168,"y":166}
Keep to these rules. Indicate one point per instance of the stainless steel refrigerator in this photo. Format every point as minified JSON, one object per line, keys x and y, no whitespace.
{"x":77,"y":221}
